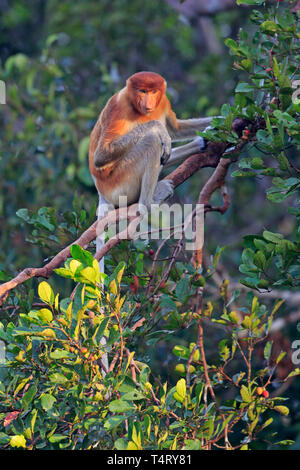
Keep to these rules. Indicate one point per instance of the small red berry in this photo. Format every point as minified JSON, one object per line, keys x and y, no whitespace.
{"x":265,"y":393}
{"x":151,"y":252}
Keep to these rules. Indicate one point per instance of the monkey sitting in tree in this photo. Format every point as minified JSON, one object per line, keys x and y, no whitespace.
{"x":131,"y":141}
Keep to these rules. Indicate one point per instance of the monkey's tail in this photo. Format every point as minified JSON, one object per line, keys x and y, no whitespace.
{"x":100,"y":240}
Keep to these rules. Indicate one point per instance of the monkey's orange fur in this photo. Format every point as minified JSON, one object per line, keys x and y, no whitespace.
{"x":125,"y":110}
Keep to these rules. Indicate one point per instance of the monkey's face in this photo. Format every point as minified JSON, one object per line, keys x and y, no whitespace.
{"x":145,"y":90}
{"x":147,"y":100}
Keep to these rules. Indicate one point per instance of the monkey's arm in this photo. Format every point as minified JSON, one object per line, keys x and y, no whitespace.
{"x":108,"y":153}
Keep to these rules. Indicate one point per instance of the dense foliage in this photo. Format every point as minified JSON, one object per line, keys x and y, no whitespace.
{"x":185,"y":392}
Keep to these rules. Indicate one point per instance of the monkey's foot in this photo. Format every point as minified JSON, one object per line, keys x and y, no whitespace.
{"x":163,"y":190}
{"x":200,"y":143}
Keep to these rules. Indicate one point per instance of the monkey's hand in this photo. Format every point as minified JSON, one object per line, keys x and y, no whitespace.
{"x":165,"y":141}
{"x":166,"y":149}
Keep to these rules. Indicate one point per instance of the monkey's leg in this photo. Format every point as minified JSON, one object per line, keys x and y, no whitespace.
{"x":154,"y":148}
{"x":165,"y":188}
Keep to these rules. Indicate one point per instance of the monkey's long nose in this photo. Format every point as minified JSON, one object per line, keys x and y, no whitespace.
{"x":148,"y":104}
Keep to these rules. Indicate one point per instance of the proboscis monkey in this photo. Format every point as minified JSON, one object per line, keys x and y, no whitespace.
{"x":131,"y":142}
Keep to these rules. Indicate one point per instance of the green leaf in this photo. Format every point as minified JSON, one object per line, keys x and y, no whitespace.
{"x":19,"y":61}
{"x":51,"y":39}
{"x":234,"y":317}
{"x":59,"y":354}
{"x":45,"y":315}
{"x":114,"y":421}
{"x":181,"y":351}
{"x":178,"y":397}
{"x":257,"y":163}
{"x":224,"y":350}
{"x":294,"y":373}
{"x":57,"y":438}
{"x":244,"y":87}
{"x":4,"y":438}
{"x":18,"y":441}
{"x":286,"y":442}
{"x":270,"y":27}
{"x":58,"y":378}
{"x":121,"y":444}
{"x":64,"y":273}
{"x":246,"y":396}
{"x":231,"y":43}
{"x":192,"y":444}
{"x":81,"y":255}
{"x":120,"y":406}
{"x":29,"y":395}
{"x":280,"y":356}
{"x":182,"y":288}
{"x":249,"y":2}
{"x":47,"y":401}
{"x":267,"y":350}
{"x":282,"y":409}
{"x":133,"y":395}
{"x":259,"y":259}
{"x":88,"y":274}
{"x":23,"y":214}
{"x":46,"y":293}
{"x":267,"y":423}
{"x":100,"y":330}
{"x":272,"y":237}
{"x":181,"y":388}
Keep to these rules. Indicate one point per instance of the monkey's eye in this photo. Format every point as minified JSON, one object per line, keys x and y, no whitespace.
{"x":154,"y":92}
{"x":143,"y":91}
